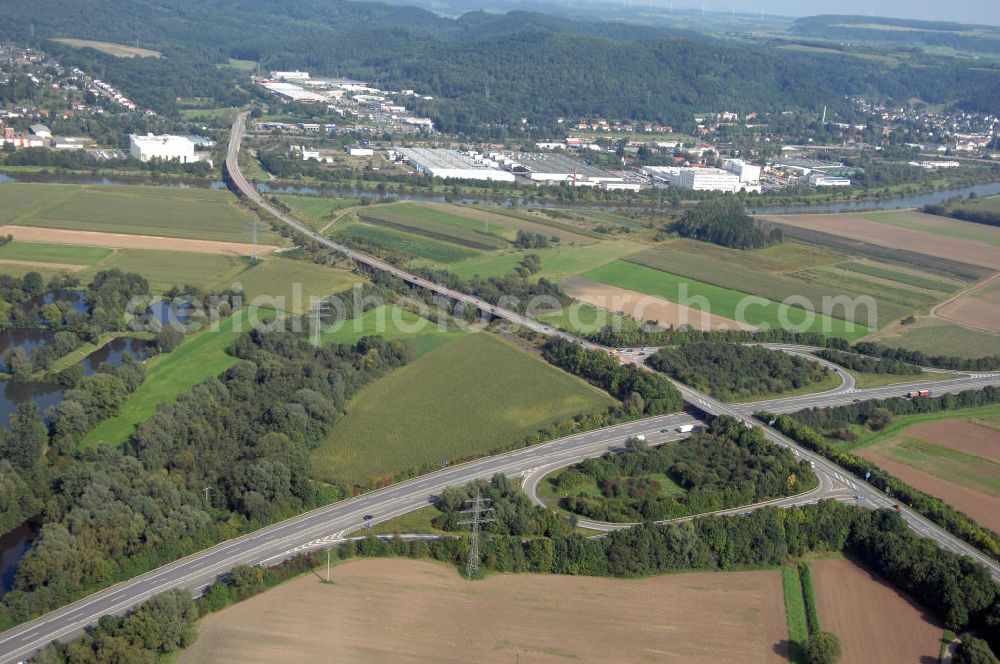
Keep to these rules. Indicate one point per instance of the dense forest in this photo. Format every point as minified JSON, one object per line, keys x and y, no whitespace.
{"x":732,"y":372}
{"x":641,"y":392}
{"x":724,"y":221}
{"x":805,"y":425}
{"x":728,"y":466}
{"x":110,"y":513}
{"x":533,"y":66}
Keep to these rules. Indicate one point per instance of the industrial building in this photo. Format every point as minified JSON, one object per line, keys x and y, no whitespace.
{"x":41,"y":131}
{"x":824,"y":180}
{"x":700,"y":179}
{"x":441,"y":163}
{"x":553,"y":168}
{"x":747,"y":173}
{"x":359,"y":151}
{"x":164,"y":148}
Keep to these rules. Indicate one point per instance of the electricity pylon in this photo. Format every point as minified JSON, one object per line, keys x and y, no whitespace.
{"x":479,"y":514}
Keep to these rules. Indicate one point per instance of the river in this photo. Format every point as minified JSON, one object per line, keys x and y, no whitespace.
{"x":899,"y":202}
{"x":13,"y":546}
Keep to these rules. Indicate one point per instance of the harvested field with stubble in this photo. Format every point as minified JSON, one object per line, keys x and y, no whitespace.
{"x":856,"y":227}
{"x":978,"y":308}
{"x":955,"y":460}
{"x":642,"y":307}
{"x":394,"y":610}
{"x":875,"y":623}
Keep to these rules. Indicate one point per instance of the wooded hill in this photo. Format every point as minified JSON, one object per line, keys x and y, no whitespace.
{"x":535,"y":66}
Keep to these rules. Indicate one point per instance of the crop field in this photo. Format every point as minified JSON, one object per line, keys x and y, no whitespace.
{"x":986,"y":204}
{"x":201,"y":214}
{"x":417,"y":611}
{"x":558,"y":262}
{"x":117,"y":50}
{"x":52,"y":253}
{"x":721,"y":301}
{"x":813,"y":283}
{"x":788,"y":256}
{"x":583,"y":318}
{"x":38,"y":234}
{"x":166,"y":269}
{"x":874,"y":621}
{"x":393,"y":322}
{"x":978,"y":308}
{"x":938,"y":225}
{"x":472,"y":395}
{"x":886,"y":254}
{"x":942,"y":284}
{"x":316,"y":211}
{"x":937,"y":337}
{"x":642,"y":307}
{"x":290,"y":286}
{"x":955,"y":459}
{"x":413,"y":245}
{"x":438,"y":224}
{"x":169,"y":375}
{"x":900,"y":237}
{"x":515,"y":221}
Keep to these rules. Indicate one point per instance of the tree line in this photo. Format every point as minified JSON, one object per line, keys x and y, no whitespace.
{"x":986,"y":217}
{"x":641,"y":392}
{"x":869,"y":364}
{"x":728,"y":466}
{"x":730,"y":371}
{"x":919,"y":358}
{"x":802,"y":428}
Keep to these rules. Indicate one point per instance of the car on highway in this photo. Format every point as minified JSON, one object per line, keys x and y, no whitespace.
{"x":896,"y":506}
{"x":857,"y":401}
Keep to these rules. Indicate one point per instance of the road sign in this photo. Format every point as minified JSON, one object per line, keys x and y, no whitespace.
{"x":868,"y":475}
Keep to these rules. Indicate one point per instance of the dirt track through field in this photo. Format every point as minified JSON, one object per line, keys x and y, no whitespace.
{"x":393,"y":610}
{"x":72,"y":267}
{"x":644,"y":307}
{"x":857,"y":228}
{"x":128,"y":241}
{"x":874,"y":622}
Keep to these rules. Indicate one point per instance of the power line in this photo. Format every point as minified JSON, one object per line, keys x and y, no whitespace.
{"x":479,"y":514}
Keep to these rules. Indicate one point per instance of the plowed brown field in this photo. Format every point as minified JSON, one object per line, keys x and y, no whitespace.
{"x":857,"y":228}
{"x":129,"y":241}
{"x":644,"y":307}
{"x":392,"y":610}
{"x":979,"y":308}
{"x":874,"y":622}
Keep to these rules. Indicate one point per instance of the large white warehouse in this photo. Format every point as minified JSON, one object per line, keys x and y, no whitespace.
{"x":165,"y":148}
{"x":442,"y":163}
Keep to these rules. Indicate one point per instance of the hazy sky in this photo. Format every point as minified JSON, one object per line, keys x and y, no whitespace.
{"x":962,"y":11}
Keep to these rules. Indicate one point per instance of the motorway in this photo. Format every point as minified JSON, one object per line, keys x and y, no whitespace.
{"x":332,"y":523}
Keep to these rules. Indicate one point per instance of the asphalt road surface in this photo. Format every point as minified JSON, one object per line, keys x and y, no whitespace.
{"x":332,"y":523}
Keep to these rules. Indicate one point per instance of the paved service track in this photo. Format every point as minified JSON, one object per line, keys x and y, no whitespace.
{"x":331,"y":523}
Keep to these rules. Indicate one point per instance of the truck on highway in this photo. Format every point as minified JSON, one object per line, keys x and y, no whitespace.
{"x":914,"y":394}
{"x":685,"y":428}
